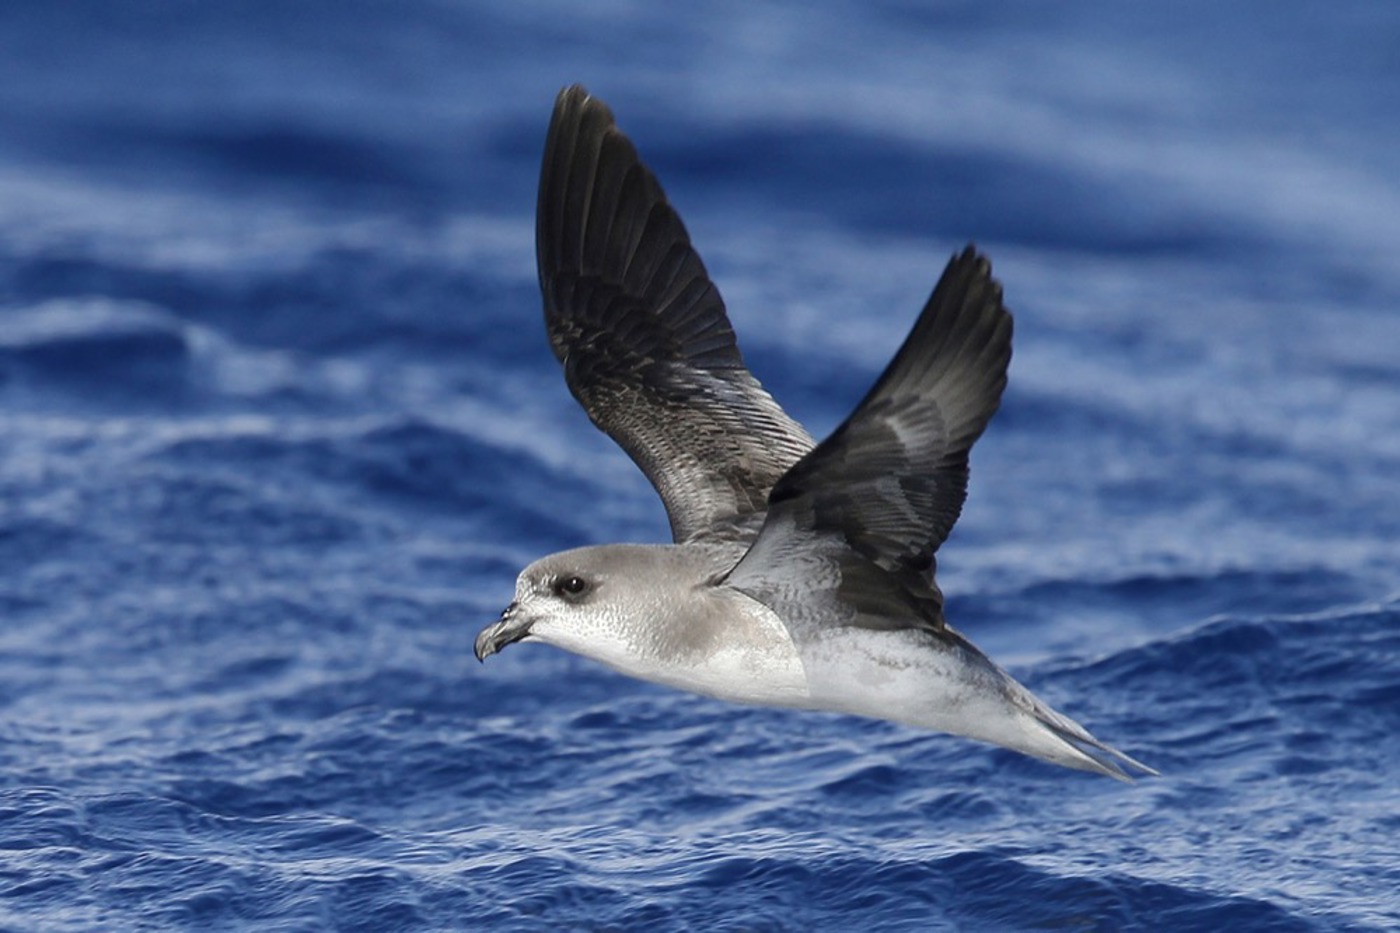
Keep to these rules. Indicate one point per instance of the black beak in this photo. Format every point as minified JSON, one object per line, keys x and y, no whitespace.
{"x":510,"y":629}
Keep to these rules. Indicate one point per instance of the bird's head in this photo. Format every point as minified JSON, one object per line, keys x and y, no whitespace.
{"x":589,"y":601}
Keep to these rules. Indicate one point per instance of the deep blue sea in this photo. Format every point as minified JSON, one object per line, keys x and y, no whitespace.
{"x":279,"y":425}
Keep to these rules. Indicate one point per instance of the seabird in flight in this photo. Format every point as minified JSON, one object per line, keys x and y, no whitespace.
{"x":801,"y":574}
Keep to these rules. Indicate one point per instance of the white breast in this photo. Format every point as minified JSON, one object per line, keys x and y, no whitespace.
{"x":748,"y":656}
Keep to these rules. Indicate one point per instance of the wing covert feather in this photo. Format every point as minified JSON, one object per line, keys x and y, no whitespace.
{"x":889,"y":483}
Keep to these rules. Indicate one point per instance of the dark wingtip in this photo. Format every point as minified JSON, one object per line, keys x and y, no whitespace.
{"x":571,"y":92}
{"x":574,"y":105}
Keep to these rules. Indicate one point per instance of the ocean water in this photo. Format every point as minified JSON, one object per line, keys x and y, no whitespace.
{"x":279,"y":425}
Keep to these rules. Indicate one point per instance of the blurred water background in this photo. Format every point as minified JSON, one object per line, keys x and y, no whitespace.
{"x":279,"y":425}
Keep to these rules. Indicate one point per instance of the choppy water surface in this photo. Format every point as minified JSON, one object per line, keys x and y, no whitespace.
{"x":280,"y":425}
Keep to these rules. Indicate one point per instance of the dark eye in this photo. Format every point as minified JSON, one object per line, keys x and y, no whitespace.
{"x":570,"y":586}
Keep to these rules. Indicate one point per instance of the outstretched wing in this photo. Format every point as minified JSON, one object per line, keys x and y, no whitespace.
{"x":642,"y":334}
{"x":880,"y":495}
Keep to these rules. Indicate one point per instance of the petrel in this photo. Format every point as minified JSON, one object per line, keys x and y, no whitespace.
{"x":801,"y":575}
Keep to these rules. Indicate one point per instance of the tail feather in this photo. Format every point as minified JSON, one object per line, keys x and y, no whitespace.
{"x":1099,"y":757}
{"x":1074,"y":747}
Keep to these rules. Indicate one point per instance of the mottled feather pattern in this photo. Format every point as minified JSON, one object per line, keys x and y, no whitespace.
{"x":643,"y":336}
